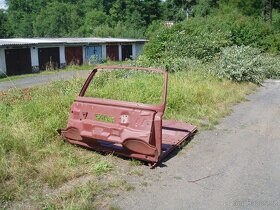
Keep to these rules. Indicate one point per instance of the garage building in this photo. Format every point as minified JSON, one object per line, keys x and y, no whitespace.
{"x":29,"y":55}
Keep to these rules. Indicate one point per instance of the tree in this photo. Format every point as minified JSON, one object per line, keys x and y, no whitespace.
{"x":103,"y":5}
{"x":19,"y":24}
{"x":58,"y":19}
{"x":20,"y":16}
{"x":246,"y":7}
{"x":93,"y":19}
{"x":268,"y":10}
{"x":3,"y":22}
{"x":118,"y":11}
{"x":173,"y":10}
{"x":150,"y":10}
{"x":203,"y":8}
{"x":26,"y":6}
{"x":276,"y":4}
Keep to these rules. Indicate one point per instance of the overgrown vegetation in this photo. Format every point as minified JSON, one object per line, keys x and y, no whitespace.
{"x":240,"y":48}
{"x":33,"y":158}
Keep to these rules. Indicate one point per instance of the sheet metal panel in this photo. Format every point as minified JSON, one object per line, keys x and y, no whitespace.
{"x":94,"y":54}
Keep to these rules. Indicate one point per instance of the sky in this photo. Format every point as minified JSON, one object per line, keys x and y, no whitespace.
{"x":2,"y":4}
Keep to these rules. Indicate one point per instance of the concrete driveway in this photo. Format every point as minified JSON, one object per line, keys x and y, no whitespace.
{"x":42,"y":79}
{"x":235,"y":166}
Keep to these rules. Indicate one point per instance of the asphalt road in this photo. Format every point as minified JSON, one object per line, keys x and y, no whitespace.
{"x":235,"y":166}
{"x":41,"y":79}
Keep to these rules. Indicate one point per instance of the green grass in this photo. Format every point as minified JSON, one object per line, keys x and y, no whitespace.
{"x":86,"y":197}
{"x":33,"y":157}
{"x":102,"y":168}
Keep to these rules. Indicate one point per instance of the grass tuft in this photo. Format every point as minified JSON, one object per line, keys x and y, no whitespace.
{"x":102,"y":168}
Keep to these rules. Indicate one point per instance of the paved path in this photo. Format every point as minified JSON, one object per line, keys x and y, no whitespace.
{"x":235,"y":166}
{"x":41,"y":79}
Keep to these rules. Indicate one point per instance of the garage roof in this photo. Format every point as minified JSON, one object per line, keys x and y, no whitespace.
{"x":43,"y":41}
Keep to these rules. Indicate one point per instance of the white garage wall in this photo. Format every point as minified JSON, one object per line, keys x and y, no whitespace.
{"x":62,"y":56}
{"x":134,"y":51}
{"x":34,"y":59}
{"x":84,"y":55}
{"x":104,"y":53}
{"x":139,"y":49}
{"x":120,"y":52}
{"x":34,"y":56}
{"x":2,"y":61}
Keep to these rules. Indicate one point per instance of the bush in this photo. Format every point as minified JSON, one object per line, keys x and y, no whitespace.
{"x":271,"y":64}
{"x":187,"y":39}
{"x":249,"y":31}
{"x":203,"y":38}
{"x":271,"y":43}
{"x":242,"y":63}
{"x":171,"y":64}
{"x":233,"y":43}
{"x":247,"y":64}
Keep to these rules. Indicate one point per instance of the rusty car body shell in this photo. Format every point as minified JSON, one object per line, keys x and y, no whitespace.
{"x":137,"y":131}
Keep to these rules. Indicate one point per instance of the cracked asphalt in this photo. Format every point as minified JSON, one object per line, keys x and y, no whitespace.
{"x":234,"y":166}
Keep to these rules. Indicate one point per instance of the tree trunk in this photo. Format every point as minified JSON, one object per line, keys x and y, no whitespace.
{"x":268,"y":10}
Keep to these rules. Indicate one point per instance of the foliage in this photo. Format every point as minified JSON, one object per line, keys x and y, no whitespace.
{"x":57,"y":19}
{"x":92,"y":19}
{"x":175,"y":9}
{"x":204,"y":7}
{"x":88,"y":17}
{"x":119,"y":30}
{"x":209,"y":40}
{"x":249,"y":31}
{"x":245,"y":63}
{"x":189,"y":38}
{"x":240,"y":64}
{"x":18,"y":24}
{"x":153,"y":28}
{"x":173,"y":64}
{"x":271,"y":65}
{"x":271,"y":43}
{"x":3,"y":22}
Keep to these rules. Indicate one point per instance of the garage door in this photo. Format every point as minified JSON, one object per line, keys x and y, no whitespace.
{"x":94,"y":54}
{"x":49,"y":58}
{"x":74,"y":55}
{"x":126,"y":52}
{"x":18,"y":61}
{"x":112,"y":52}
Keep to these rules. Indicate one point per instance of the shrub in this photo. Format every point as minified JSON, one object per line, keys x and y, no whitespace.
{"x":271,"y":64}
{"x":187,"y":39}
{"x":242,"y":63}
{"x":233,"y":42}
{"x":203,"y":38}
{"x":249,"y":31}
{"x":172,"y":64}
{"x":271,"y":43}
